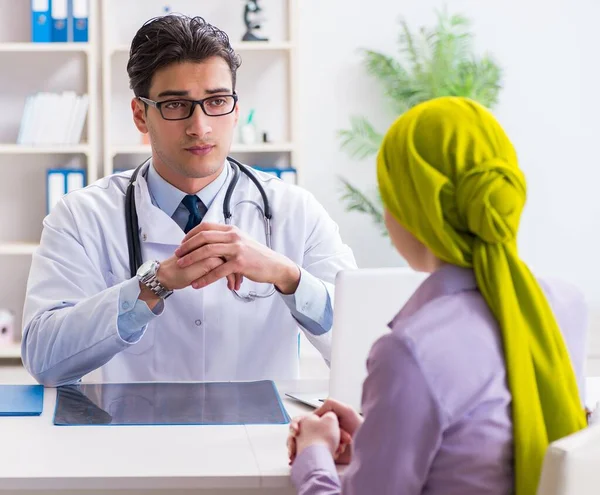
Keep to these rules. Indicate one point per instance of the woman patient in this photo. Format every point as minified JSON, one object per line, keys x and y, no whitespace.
{"x":481,"y":369}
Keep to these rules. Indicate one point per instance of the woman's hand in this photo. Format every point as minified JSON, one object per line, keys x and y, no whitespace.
{"x":313,"y":430}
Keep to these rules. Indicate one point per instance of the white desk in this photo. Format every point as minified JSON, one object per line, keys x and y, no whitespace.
{"x":37,"y":457}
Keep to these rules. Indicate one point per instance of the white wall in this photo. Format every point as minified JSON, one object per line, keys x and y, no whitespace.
{"x":549,"y":106}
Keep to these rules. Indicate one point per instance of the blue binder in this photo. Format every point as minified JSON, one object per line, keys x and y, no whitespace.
{"x":288,"y":175}
{"x":60,"y":20}
{"x":41,"y":26}
{"x":80,"y":10}
{"x":21,"y":400}
{"x":61,"y":181}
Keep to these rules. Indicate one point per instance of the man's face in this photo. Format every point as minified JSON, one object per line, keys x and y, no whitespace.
{"x":195,"y":147}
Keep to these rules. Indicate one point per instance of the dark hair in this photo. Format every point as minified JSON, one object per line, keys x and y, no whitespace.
{"x":171,"y":39}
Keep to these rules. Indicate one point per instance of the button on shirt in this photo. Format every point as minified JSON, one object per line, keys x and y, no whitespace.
{"x":310,"y":305}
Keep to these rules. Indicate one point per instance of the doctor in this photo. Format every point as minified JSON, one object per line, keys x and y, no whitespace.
{"x":177,"y":317}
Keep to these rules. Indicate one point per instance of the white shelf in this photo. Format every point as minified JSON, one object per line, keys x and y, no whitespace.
{"x":145,"y":149}
{"x":260,"y":46}
{"x":243,"y":46}
{"x":60,"y":149}
{"x":131,"y":149}
{"x":262,"y":148}
{"x":26,"y":248}
{"x":12,"y":351}
{"x":44,"y":47}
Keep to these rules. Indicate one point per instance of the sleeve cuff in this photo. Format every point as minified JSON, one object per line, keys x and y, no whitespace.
{"x":312,"y":460}
{"x":134,"y":314}
{"x":311,"y":301}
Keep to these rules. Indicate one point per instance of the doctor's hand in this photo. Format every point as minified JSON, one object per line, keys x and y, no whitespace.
{"x":243,"y":256}
{"x":173,"y":277}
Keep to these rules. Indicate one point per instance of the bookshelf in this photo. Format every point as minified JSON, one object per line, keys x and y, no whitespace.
{"x":45,"y":149}
{"x":33,"y":68}
{"x":24,"y":46}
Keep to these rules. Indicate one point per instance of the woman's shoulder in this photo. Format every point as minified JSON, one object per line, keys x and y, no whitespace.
{"x":455,"y":343}
{"x":448,"y":322}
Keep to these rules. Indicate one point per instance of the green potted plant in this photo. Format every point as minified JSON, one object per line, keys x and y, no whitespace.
{"x":433,"y":62}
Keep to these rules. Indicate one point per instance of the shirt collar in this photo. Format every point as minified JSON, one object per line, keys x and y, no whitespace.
{"x":168,"y":198}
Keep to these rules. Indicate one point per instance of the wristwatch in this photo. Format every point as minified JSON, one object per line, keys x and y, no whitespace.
{"x":146,"y":274}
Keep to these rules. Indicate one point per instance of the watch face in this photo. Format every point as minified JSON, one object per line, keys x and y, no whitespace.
{"x":147,"y":267}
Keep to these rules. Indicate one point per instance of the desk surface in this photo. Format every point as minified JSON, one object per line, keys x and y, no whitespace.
{"x":36,"y":455}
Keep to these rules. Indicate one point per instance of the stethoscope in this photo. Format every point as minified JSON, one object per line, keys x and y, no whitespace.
{"x":131,"y":220}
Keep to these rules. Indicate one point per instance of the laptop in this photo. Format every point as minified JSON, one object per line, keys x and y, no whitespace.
{"x":366,"y":300}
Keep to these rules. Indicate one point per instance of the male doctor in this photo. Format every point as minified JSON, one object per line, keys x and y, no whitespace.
{"x":178,"y":318}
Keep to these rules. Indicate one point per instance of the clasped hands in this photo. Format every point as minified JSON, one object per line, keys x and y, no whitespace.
{"x":210,"y":252}
{"x":332,"y":425}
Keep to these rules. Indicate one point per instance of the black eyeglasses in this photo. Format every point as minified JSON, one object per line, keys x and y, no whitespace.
{"x":181,"y":109}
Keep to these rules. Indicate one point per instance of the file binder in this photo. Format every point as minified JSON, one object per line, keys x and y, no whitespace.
{"x":60,"y":182}
{"x":55,"y":188}
{"x":80,"y":13}
{"x":41,"y":25}
{"x":21,"y":400}
{"x":60,"y":20}
{"x":288,"y":175}
{"x":75,"y":180}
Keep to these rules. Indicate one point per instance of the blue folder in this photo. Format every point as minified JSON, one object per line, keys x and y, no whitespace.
{"x":59,"y":10}
{"x":161,"y":403}
{"x":80,"y":10}
{"x":41,"y":21}
{"x":21,"y":400}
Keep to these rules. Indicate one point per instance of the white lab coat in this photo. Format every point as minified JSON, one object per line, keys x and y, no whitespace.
{"x":71,"y":309}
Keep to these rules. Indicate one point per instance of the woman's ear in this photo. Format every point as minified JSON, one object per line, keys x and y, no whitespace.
{"x":416,"y":254}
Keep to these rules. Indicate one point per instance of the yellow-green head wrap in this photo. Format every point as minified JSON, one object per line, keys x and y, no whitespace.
{"x":448,"y":173}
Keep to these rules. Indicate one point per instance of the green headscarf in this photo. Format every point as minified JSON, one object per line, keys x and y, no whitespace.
{"x":448,"y":173}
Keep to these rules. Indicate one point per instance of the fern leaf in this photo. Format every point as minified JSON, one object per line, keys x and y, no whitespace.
{"x":356,"y":200}
{"x":452,"y":46}
{"x":361,"y":140}
{"x":479,"y":80}
{"x":389,"y":72}
{"x":409,"y":46}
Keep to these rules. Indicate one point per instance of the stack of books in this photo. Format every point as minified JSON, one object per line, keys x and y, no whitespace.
{"x":53,"y":119}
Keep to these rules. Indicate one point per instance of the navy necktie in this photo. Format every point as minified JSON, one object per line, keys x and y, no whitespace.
{"x":196,"y":209}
